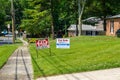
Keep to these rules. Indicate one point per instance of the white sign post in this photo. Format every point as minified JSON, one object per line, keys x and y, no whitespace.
{"x":63,"y":43}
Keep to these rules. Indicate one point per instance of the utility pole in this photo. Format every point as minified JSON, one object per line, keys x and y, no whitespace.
{"x":13,"y":20}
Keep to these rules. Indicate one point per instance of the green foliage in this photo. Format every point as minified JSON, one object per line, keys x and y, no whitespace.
{"x":39,"y":15}
{"x":102,"y":8}
{"x":68,"y":13}
{"x":36,"y":19}
{"x":86,"y":53}
{"x":3,"y":6}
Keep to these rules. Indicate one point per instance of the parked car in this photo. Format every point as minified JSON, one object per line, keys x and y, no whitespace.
{"x":9,"y":35}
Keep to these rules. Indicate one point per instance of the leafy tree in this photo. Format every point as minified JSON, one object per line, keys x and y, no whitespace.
{"x":3,"y":6}
{"x":39,"y":16}
{"x":37,"y":19}
{"x":102,"y":9}
{"x":68,"y":14}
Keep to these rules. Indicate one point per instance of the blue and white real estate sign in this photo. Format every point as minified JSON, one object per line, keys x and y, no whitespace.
{"x":63,"y":43}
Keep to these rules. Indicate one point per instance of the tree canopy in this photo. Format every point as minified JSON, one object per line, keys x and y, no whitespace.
{"x":38,"y":17}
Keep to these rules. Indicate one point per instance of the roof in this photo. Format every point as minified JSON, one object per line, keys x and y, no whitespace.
{"x":92,"y":19}
{"x":113,"y":17}
{"x":86,"y":27}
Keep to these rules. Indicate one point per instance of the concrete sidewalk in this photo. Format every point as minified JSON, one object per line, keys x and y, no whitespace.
{"x":19,"y":65}
{"x":109,"y":74}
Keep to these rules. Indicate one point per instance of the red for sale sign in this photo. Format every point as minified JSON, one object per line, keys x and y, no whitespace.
{"x":41,"y":44}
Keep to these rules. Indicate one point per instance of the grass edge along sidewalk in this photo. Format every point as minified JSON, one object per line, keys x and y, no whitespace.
{"x":6,"y":51}
{"x":86,"y":54}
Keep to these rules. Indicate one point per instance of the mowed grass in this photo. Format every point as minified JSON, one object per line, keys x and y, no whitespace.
{"x":86,"y":53}
{"x":6,"y":51}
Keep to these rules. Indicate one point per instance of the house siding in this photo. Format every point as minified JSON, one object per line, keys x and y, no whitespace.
{"x":116,"y":26}
{"x":71,"y":33}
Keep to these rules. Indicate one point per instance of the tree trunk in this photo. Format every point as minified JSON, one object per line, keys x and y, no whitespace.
{"x":80,"y":13}
{"x":52,"y":22}
{"x":104,"y":14}
{"x":52,"y":29}
{"x":104,"y":23}
{"x":79,"y":26}
{"x":13,"y":20}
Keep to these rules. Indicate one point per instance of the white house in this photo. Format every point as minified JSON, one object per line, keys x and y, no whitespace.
{"x":87,"y":29}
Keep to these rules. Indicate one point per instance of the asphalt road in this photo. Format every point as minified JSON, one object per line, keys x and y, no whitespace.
{"x":6,"y":40}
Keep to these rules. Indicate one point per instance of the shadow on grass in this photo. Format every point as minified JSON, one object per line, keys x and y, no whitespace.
{"x":60,"y":66}
{"x":40,"y":70}
{"x":59,"y":59}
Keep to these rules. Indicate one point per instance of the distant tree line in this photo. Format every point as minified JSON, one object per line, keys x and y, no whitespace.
{"x":43,"y":17}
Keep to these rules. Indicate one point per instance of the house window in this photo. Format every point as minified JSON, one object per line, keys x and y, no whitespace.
{"x":111,"y":27}
{"x":88,"y":32}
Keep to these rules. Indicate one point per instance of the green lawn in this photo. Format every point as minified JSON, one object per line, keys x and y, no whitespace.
{"x":6,"y":50}
{"x":86,"y":53}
